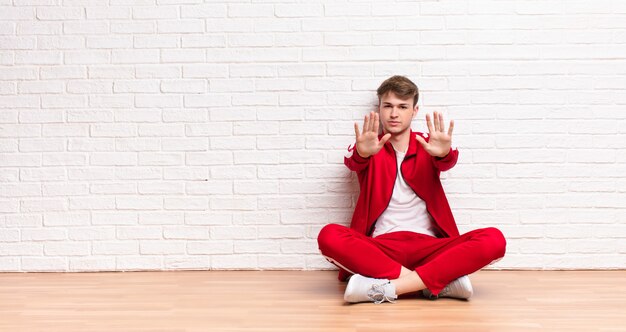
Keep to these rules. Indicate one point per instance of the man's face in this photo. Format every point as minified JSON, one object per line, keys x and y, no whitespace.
{"x":396,"y":113}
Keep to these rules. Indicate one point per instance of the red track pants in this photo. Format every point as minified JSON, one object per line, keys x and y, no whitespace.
{"x":437,"y":261}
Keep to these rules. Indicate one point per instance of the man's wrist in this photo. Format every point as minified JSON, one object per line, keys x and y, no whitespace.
{"x":360,"y":155}
{"x":439,"y":157}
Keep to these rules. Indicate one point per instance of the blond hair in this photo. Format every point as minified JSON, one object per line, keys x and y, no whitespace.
{"x":399,"y":85}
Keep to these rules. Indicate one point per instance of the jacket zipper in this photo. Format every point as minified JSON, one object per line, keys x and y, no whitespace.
{"x":431,"y":215}
{"x":395,"y":158}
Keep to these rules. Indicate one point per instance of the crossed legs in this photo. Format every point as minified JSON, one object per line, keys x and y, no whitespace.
{"x":411,"y":261}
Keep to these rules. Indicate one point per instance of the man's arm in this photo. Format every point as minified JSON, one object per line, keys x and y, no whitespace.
{"x":354,"y":161}
{"x":438,"y":143}
{"x":367,"y":143}
{"x":445,"y":163}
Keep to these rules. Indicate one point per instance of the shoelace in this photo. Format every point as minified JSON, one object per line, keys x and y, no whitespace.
{"x":377,"y":294}
{"x":445,"y":290}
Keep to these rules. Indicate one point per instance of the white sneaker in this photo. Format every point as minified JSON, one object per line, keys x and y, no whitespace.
{"x":460,"y":288}
{"x":363,"y":289}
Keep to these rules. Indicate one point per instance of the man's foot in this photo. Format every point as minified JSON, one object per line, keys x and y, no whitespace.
{"x":460,"y":288}
{"x":363,"y":289}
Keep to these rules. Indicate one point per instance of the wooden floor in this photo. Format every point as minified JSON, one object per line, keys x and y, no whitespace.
{"x":303,"y":301}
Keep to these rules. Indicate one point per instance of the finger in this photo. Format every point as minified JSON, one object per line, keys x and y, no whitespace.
{"x":429,"y":124}
{"x":376,"y":122}
{"x":421,"y":140}
{"x":442,"y":126}
{"x":436,"y":121}
{"x":451,"y":127}
{"x":356,"y":131}
{"x":366,"y":123}
{"x":384,"y":139}
{"x":372,"y":121}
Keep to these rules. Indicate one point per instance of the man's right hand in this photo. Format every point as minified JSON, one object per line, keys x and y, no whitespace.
{"x":367,"y":143}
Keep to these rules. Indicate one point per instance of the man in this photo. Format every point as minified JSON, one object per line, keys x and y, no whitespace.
{"x":403,"y":237}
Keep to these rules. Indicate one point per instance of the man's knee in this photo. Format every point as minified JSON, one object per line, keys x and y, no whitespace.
{"x":328,"y":237}
{"x":495,"y":242}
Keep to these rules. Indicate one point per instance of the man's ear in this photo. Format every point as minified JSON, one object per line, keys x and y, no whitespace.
{"x":415,"y":109}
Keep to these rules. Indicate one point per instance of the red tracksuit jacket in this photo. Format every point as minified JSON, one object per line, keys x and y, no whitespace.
{"x":377,"y":175}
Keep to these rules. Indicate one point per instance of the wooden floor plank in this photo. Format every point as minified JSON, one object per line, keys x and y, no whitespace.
{"x":303,"y":301}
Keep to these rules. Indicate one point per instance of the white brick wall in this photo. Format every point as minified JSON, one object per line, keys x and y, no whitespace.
{"x":187,"y":135}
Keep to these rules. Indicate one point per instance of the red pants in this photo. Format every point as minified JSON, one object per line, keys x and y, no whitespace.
{"x":437,"y":261}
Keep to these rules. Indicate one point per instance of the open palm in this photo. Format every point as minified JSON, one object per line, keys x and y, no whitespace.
{"x":367,"y":142}
{"x":439,"y":142}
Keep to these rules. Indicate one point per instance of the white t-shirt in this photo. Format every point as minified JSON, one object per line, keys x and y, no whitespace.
{"x":406,"y":211}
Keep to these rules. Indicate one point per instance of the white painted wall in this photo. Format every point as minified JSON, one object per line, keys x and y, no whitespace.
{"x":177,"y":134}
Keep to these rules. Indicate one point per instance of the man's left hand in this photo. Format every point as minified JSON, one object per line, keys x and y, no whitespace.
{"x":440,"y":142}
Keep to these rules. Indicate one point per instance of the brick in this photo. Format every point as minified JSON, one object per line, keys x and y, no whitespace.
{"x":141,"y":56}
{"x":178,"y":56}
{"x":210,"y":248}
{"x":10,"y":235}
{"x":161,"y":247}
{"x":160,"y":218}
{"x":235,"y":203}
{"x":203,"y":11}
{"x":67,"y":249}
{"x":87,"y":57}
{"x":95,"y":263}
{"x":155,"y":42}
{"x":9,"y":264}
{"x":46,"y":264}
{"x":186,"y":173}
{"x":256,"y":187}
{"x":233,"y":232}
{"x":256,"y":157}
{"x":209,"y":158}
{"x":115,"y":247}
{"x":279,"y":203}
{"x":209,"y":187}
{"x":257,"y":218}
{"x":91,"y":233}
{"x":109,"y":42}
{"x":186,"y":203}
{"x":184,"y":144}
{"x":66,"y":219}
{"x":212,"y":218}
{"x":106,"y":12}
{"x":18,"y":102}
{"x":139,"y":203}
{"x":139,"y":263}
{"x":274,"y":25}
{"x":135,"y":172}
{"x":133,"y":27}
{"x":139,"y":232}
{"x":39,"y":28}
{"x":62,"y":189}
{"x":186,"y":232}
{"x":161,"y":188}
{"x":226,"y":262}
{"x":157,"y":71}
{"x":282,"y":262}
{"x":160,"y":159}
